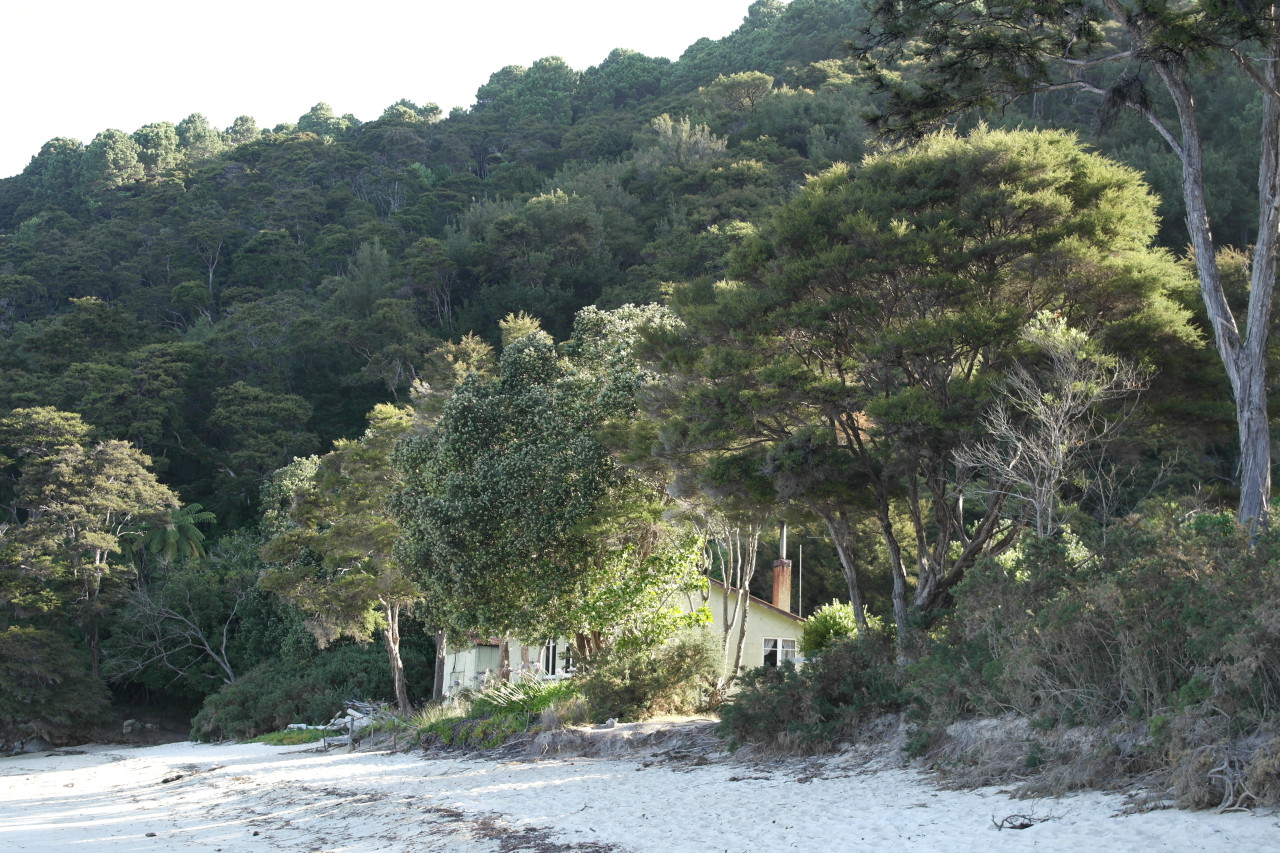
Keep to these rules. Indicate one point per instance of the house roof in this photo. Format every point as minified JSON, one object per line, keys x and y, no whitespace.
{"x":760,"y":602}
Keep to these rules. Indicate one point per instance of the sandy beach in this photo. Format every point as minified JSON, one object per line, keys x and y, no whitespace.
{"x":251,"y":797}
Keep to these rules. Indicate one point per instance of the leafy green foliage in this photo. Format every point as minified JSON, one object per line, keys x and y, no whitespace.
{"x":809,"y":709}
{"x":46,"y":688}
{"x":333,"y":557}
{"x":877,"y":307}
{"x":829,"y":624}
{"x":497,"y":713}
{"x":292,"y":737}
{"x":632,"y":682}
{"x":278,"y":693}
{"x":524,"y":696}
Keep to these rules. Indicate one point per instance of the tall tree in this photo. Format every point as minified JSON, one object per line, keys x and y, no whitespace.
{"x":71,"y":502}
{"x":875,"y":309}
{"x":334,"y":557}
{"x":976,"y":55}
{"x":496,"y":495}
{"x":513,"y":511}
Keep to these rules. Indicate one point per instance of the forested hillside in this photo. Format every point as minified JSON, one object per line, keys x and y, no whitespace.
{"x":228,"y":304}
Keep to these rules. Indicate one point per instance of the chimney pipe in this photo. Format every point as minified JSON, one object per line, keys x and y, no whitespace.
{"x":782,"y":585}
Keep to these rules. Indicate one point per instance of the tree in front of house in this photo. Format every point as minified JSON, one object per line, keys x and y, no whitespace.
{"x":881,"y":303}
{"x":513,"y":512}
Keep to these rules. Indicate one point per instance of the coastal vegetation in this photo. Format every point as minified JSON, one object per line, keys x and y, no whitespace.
{"x":537,"y":368}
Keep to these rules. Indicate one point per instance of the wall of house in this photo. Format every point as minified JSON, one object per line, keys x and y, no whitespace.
{"x":467,"y":667}
{"x":763,"y":622}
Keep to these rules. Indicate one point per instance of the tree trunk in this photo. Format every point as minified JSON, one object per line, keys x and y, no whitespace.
{"x":1251,"y":405}
{"x":1244,"y":360}
{"x":95,"y":649}
{"x":504,"y":658}
{"x":838,"y":530}
{"x":437,"y":686}
{"x":391,"y":636}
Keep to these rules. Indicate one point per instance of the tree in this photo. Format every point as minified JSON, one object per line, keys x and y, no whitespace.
{"x":158,"y":144}
{"x":876,"y":308}
{"x":184,"y":622}
{"x":321,"y":121}
{"x":1046,"y":423}
{"x":260,"y":431}
{"x":175,"y":537}
{"x":514,"y":515}
{"x":197,"y":139}
{"x":333,"y":558}
{"x":71,"y":503}
{"x":45,"y":688}
{"x":971,"y":55}
{"x":496,"y":494}
{"x":53,"y":175}
{"x":243,"y":129}
{"x":738,"y":93}
{"x":111,"y":160}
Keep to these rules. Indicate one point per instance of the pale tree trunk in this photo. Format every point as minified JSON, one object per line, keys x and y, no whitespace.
{"x":391,"y":637}
{"x":1244,"y":360}
{"x":739,"y":545}
{"x":437,"y":686}
{"x":1255,"y":437}
{"x":838,"y":529}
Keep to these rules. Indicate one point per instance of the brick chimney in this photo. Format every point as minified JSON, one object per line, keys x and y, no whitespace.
{"x":782,"y":585}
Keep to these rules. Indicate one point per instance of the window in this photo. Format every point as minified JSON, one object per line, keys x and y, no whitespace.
{"x":549,"y":658}
{"x":776,"y":650}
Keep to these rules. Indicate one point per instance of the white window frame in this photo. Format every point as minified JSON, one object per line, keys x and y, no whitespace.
{"x":783,"y":648}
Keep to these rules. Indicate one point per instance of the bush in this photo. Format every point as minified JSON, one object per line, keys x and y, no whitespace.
{"x":522,"y":696}
{"x":631,"y":683}
{"x":1171,"y":612}
{"x":1169,"y":627}
{"x":829,"y":623}
{"x":490,"y":717}
{"x":46,"y":688}
{"x":294,"y":737}
{"x":275,"y":694}
{"x":481,"y":733}
{"x":807,"y":710}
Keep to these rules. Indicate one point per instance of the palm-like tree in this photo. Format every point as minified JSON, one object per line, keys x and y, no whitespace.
{"x":177,"y":537}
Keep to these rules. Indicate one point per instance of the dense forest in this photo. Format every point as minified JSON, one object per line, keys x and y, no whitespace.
{"x":267,"y":395}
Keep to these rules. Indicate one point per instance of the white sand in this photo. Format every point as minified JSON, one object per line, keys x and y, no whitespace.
{"x":235,"y":798}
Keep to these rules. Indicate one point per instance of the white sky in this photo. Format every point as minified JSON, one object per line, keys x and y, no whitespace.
{"x":77,"y":67}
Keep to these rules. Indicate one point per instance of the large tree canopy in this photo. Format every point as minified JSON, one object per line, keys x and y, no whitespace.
{"x":875,"y":309}
{"x":69,"y":504}
{"x":984,"y":53}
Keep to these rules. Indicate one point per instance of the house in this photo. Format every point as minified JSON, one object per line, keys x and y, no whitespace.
{"x":772,"y":635}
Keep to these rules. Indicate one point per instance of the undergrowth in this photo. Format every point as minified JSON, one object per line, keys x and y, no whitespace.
{"x":293,"y":737}
{"x":1152,"y":653}
{"x":488,"y":718}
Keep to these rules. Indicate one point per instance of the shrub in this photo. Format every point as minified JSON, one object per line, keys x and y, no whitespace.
{"x":829,"y":623}
{"x":46,"y":688}
{"x":808,"y":709}
{"x":275,"y":694}
{"x":490,"y":717}
{"x":521,"y":696}
{"x":480,"y":733}
{"x":293,"y":737}
{"x":630,"y":683}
